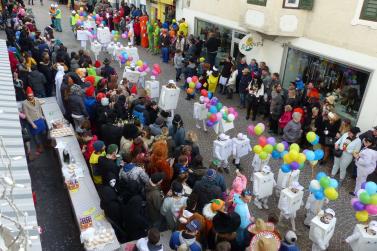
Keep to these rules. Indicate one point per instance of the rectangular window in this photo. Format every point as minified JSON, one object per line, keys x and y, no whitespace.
{"x":298,"y":4}
{"x":257,"y":2}
{"x":369,"y":10}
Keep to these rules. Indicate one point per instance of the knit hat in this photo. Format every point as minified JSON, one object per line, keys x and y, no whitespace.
{"x":211,"y":174}
{"x":157,"y":177}
{"x":159,"y":121}
{"x":112,"y":149}
{"x":97,"y":64}
{"x":98,"y":145}
{"x":217,"y":204}
{"x":193,"y":226}
{"x":29,"y":91}
{"x":177,"y":188}
{"x":290,"y":237}
{"x":90,"y":91}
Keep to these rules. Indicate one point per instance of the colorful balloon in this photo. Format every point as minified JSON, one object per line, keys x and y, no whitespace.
{"x":310,"y":156}
{"x":280,"y":147}
{"x":371,"y":187}
{"x":295,"y":147}
{"x":195,"y":79}
{"x":364,"y":197}
{"x":331,"y":193}
{"x":258,"y":130}
{"x":262,"y":141}
{"x":257,"y":149}
{"x":314,"y":186}
{"x":231,"y":117}
{"x":325,"y":182}
{"x":334,"y":183}
{"x":250,"y":130}
{"x":373,"y":199}
{"x":271,"y":141}
{"x":371,"y":209}
{"x":358,"y":206}
{"x":268,"y":148}
{"x":191,"y":85}
{"x":310,"y":136}
{"x":319,"y":195}
{"x":362,"y":216}
{"x":263,"y":155}
{"x":285,"y":168}
{"x":275,"y":154}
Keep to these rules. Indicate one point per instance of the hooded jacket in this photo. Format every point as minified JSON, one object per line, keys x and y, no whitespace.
{"x":37,"y":81}
{"x":206,"y":190}
{"x":131,"y":171}
{"x":177,"y":239}
{"x":144,"y":245}
{"x":154,"y":199}
{"x":76,"y":102}
{"x":136,"y":225}
{"x":292,"y":132}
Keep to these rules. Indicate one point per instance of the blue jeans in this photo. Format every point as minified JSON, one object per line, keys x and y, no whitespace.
{"x":165,"y":54}
{"x":211,"y":57}
{"x":178,"y":73}
{"x":243,"y":99}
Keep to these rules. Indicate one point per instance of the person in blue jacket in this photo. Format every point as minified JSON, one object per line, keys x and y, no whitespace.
{"x":289,"y":242}
{"x":242,"y":209}
{"x":186,"y":237}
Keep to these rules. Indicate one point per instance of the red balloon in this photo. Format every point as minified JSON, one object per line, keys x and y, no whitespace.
{"x":262,"y":141}
{"x":204,"y":93}
{"x":213,"y":117}
{"x":195,"y":79}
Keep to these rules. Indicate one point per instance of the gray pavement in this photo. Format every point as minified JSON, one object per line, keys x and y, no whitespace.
{"x":345,"y":213}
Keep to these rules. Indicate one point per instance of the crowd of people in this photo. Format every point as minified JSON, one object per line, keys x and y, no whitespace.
{"x":147,"y":167}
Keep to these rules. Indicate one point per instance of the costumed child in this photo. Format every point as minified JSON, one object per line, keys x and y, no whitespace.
{"x":258,"y":163}
{"x":290,"y":242}
{"x":213,"y":79}
{"x":313,"y":207}
{"x":290,"y":201}
{"x":210,"y":210}
{"x":222,"y":149}
{"x":73,"y":20}
{"x":241,"y":147}
{"x":238,"y":185}
{"x":111,"y":48}
{"x":322,"y":229}
{"x":200,"y":113}
{"x":156,"y":39}
{"x":263,"y":185}
{"x":364,"y":237}
{"x":150,"y":31}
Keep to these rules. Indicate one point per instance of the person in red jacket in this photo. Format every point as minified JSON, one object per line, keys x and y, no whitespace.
{"x":137,"y":30}
{"x":116,"y":20}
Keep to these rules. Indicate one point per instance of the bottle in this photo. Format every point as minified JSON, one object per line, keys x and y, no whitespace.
{"x":66,"y":157}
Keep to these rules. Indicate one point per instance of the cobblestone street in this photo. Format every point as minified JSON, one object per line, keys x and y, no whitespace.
{"x":52,"y":237}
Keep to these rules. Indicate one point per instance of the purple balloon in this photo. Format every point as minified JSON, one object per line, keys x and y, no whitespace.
{"x":295,"y":165}
{"x":209,"y":123}
{"x":363,"y":185}
{"x":286,"y":145}
{"x":271,"y":141}
{"x":358,"y":206}
{"x":304,"y":152}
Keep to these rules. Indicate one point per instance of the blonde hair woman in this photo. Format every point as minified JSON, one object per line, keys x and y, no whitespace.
{"x":191,"y":140}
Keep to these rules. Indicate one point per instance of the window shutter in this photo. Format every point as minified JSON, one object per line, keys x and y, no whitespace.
{"x":306,"y":4}
{"x":369,"y":11}
{"x":257,"y":2}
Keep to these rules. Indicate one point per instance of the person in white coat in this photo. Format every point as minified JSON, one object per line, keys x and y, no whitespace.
{"x":231,"y":85}
{"x":222,"y":149}
{"x":356,"y":238}
{"x":241,"y":147}
{"x":58,"y":83}
{"x":365,"y":161}
{"x":345,"y":146}
{"x":200,"y":113}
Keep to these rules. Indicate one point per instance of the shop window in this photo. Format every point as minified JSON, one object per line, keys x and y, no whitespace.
{"x":257,"y":2}
{"x":347,"y":84}
{"x":369,"y":10}
{"x":298,"y":4}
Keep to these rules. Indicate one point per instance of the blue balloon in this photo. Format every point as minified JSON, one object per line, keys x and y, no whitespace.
{"x":209,"y":95}
{"x":285,"y":168}
{"x":310,"y":156}
{"x":283,"y":153}
{"x":319,"y":195}
{"x":316,"y":141}
{"x":371,"y":187}
{"x":319,"y":154}
{"x":213,"y":109}
{"x":320,"y":175}
{"x":334,"y":183}
{"x":275,"y":154}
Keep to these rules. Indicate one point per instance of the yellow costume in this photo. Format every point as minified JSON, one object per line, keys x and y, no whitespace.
{"x":212,"y":83}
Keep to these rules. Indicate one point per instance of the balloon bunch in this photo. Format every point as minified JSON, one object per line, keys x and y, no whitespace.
{"x":156,"y":71}
{"x":256,"y":130}
{"x":318,"y":153}
{"x":312,"y":138}
{"x":206,"y":94}
{"x":217,"y":112}
{"x":99,"y":20}
{"x":142,"y":66}
{"x":115,"y":35}
{"x":265,"y":146}
{"x":324,"y":186}
{"x":293,"y":159}
{"x":193,"y":83}
{"x":366,"y":202}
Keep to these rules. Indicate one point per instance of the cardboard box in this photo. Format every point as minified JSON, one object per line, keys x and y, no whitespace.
{"x":168,"y":98}
{"x":263,"y":184}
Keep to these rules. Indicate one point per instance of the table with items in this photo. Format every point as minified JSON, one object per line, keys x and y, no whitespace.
{"x":96,"y":232}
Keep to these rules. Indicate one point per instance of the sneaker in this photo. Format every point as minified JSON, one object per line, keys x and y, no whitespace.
{"x":257,"y":204}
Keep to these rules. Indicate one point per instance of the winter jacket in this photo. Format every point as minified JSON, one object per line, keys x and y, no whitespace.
{"x":132,"y":172}
{"x":144,"y":245}
{"x":164,"y":41}
{"x":76,"y":105}
{"x":74,"y":64}
{"x":206,"y":190}
{"x":154,"y":198}
{"x":244,"y":83}
{"x":190,"y":71}
{"x":227,"y":69}
{"x":155,"y":130}
{"x":284,"y":119}
{"x":178,"y":135}
{"x":37,"y":81}
{"x":367,"y":161}
{"x":276,"y":106}
{"x":90,"y":148}
{"x":177,"y":239}
{"x":292,"y":132}
{"x":108,"y":169}
{"x":46,"y":70}
{"x":90,"y":103}
{"x":242,"y":210}
{"x":212,"y":45}
{"x":178,"y":62}
{"x":171,"y":208}
{"x":111,"y":134}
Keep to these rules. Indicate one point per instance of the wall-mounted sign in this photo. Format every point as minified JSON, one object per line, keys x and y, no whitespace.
{"x":249,"y":42}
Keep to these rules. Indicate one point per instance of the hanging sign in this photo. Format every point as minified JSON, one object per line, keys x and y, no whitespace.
{"x":249,"y":42}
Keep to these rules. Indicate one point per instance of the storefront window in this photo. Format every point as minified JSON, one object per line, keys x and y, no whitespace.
{"x":347,"y":84}
{"x":202,"y":30}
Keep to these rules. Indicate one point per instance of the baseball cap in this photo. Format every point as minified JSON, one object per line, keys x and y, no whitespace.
{"x":193,"y":225}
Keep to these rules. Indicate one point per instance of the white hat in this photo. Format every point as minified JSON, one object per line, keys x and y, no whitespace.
{"x":290,"y":237}
{"x":372,"y":223}
{"x":266,"y":169}
{"x":171,"y":81}
{"x":330,"y":211}
{"x":73,"y":12}
{"x":297,"y":186}
{"x":374,"y":228}
{"x":153,"y":77}
{"x":214,"y":68}
{"x":240,"y":136}
{"x":223,"y":136}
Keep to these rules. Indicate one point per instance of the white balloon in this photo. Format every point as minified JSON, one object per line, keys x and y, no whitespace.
{"x":231,"y":117}
{"x":314,"y":185}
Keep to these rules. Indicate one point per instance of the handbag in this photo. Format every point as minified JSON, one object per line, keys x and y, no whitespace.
{"x":329,"y":141}
{"x":338,"y":153}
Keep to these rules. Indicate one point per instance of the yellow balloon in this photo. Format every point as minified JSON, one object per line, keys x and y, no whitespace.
{"x":373,"y":199}
{"x":263,"y":155}
{"x":362,"y":216}
{"x":257,"y":149}
{"x":301,"y":158}
{"x":331,"y":193}
{"x":295,"y":147}
{"x":139,"y":63}
{"x":287,"y":159}
{"x":293,"y":155}
{"x":128,"y":63}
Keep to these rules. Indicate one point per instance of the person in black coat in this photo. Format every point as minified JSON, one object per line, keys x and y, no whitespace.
{"x":110,"y":133}
{"x":120,"y":108}
{"x":225,"y":73}
{"x":108,"y":166}
{"x":212,"y":45}
{"x":45,"y":67}
{"x":151,"y":113}
{"x":136,"y":224}
{"x":107,"y":71}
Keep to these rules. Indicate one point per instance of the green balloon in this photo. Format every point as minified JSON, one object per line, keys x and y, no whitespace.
{"x":325,"y":182}
{"x":364,"y":198}
{"x":219,"y":106}
{"x":263,"y":155}
{"x":268,"y":148}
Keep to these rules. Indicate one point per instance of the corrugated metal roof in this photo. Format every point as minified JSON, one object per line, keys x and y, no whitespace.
{"x":10,"y":131}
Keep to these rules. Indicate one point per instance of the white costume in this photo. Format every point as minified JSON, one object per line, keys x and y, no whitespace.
{"x":313,"y":207}
{"x":58,"y":83}
{"x":200,"y":114}
{"x":132,"y":52}
{"x":241,"y":147}
{"x":263,"y":185}
{"x":95,"y":47}
{"x":290,"y":201}
{"x":111,"y":48}
{"x":366,"y":164}
{"x":152,"y":87}
{"x":103,"y":36}
{"x":257,"y":164}
{"x":83,"y":36}
{"x":222,"y":149}
{"x":169,"y":97}
{"x":321,"y":233}
{"x":364,"y":237}
{"x":284,"y":180}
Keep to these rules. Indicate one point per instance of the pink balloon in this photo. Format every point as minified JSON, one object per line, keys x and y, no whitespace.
{"x":189,"y":80}
{"x":140,"y":69}
{"x":219,"y":116}
{"x":148,"y":69}
{"x":231,"y":110}
{"x":124,"y":36}
{"x":156,"y":66}
{"x":154,"y":72}
{"x":206,"y":100}
{"x":371,"y":209}
{"x":235,"y":113}
{"x":250,"y":130}
{"x":208,"y":105}
{"x":130,"y":58}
